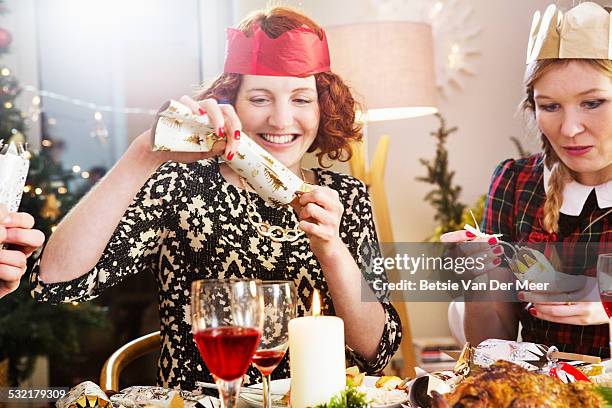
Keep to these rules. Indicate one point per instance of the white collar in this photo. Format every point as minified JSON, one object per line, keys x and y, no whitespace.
{"x":576,"y":194}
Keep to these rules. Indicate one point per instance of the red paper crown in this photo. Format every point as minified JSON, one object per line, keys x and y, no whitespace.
{"x":298,"y":52}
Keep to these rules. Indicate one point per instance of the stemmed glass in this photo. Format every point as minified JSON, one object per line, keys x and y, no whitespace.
{"x":604,"y":280}
{"x":280,"y":306}
{"x":227,"y":322}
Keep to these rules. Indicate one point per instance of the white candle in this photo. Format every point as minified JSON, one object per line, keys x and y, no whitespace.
{"x":316,"y":357}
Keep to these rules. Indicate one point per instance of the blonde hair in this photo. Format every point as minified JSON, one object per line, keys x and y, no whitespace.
{"x":560,"y":173}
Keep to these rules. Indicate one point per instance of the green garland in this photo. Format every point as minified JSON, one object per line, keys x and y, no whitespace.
{"x":606,"y":394}
{"x":350,"y":397}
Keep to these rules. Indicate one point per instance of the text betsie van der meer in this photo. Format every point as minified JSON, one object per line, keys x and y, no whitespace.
{"x":469,"y":284}
{"x":410,"y":265}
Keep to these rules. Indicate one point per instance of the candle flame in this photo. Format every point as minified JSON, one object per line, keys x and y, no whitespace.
{"x":316,"y":304}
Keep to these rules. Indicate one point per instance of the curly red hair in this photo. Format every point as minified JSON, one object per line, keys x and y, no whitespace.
{"x":337,"y":126}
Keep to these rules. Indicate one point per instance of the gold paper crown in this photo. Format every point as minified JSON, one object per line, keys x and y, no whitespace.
{"x":582,"y":32}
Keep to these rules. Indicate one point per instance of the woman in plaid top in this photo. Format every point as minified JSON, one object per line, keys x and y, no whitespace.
{"x":563,"y":194}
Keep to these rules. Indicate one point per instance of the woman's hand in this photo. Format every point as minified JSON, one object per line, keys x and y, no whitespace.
{"x":16,"y":229}
{"x":222,"y":117}
{"x":580,"y":313}
{"x":487,"y":250}
{"x":575,"y":307}
{"x":320,"y":213}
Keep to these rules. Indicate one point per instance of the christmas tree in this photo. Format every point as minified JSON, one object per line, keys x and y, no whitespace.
{"x":451,"y":213}
{"x":445,"y":196}
{"x":27,"y":328}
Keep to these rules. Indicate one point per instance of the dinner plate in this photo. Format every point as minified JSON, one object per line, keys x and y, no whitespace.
{"x":276,"y":387}
{"x":282,"y":387}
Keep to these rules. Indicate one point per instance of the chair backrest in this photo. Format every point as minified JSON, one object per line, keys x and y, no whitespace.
{"x":109,"y":377}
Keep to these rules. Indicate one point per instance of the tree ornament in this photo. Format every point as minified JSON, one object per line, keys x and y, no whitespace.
{"x":5,"y":38}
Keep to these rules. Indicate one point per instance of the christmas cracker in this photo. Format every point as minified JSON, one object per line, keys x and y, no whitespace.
{"x":85,"y":394}
{"x":442,"y":382}
{"x":179,"y":130}
{"x":14,"y":164}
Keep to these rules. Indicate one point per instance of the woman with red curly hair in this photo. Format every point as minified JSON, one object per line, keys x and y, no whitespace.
{"x":186,"y":217}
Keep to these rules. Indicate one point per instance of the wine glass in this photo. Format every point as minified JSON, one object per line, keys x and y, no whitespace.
{"x":280,"y":306}
{"x":604,"y":280}
{"x":227,"y":322}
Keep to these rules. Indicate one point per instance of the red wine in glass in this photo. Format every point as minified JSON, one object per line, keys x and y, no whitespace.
{"x":606,"y":301}
{"x":279,"y":299}
{"x":267,"y":360}
{"x":227,"y":351}
{"x":227,"y":322}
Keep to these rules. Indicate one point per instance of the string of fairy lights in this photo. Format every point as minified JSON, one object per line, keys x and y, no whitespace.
{"x":99,"y":130}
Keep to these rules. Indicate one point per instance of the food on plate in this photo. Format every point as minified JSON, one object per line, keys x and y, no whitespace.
{"x":380,"y":396}
{"x":602,"y":380}
{"x":388,"y":382}
{"x":354,"y":377}
{"x":592,"y":370}
{"x":505,"y":384}
{"x":384,"y":392}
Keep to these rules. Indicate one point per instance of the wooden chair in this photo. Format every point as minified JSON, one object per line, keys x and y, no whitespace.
{"x":109,"y":377}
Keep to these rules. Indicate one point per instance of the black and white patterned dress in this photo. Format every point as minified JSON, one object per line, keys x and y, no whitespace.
{"x":189,"y":223}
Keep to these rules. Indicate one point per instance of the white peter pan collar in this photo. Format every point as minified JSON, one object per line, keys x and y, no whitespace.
{"x":576,"y":194}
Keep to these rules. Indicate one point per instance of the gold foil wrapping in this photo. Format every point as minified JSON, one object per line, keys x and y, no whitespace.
{"x":149,"y":397}
{"x":440,"y":381}
{"x":85,"y":394}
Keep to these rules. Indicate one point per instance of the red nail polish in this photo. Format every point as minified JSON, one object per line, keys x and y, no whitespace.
{"x":469,"y":234}
{"x":201,"y":111}
{"x":496,"y":261}
{"x":533,"y":311}
{"x":492,"y":241}
{"x":498,"y":250}
{"x":230,"y":156}
{"x":221,"y":133}
{"x":237,"y":135}
{"x":521,"y":296}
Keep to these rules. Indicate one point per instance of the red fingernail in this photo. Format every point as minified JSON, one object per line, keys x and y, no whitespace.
{"x":498,"y":250}
{"x":221,"y":133}
{"x":533,"y":311}
{"x":201,"y":111}
{"x":230,"y":156}
{"x":237,"y":135}
{"x":492,"y":241}
{"x":521,"y":296}
{"x":469,"y":234}
{"x":496,"y":261}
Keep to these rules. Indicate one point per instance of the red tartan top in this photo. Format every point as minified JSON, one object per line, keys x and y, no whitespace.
{"x":514,"y":208}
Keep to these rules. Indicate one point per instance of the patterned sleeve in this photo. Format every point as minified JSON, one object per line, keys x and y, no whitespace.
{"x":363,"y":245}
{"x":133,"y":247}
{"x":499,"y":207}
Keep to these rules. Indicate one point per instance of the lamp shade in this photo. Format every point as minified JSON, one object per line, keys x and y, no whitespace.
{"x":388,"y":65}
